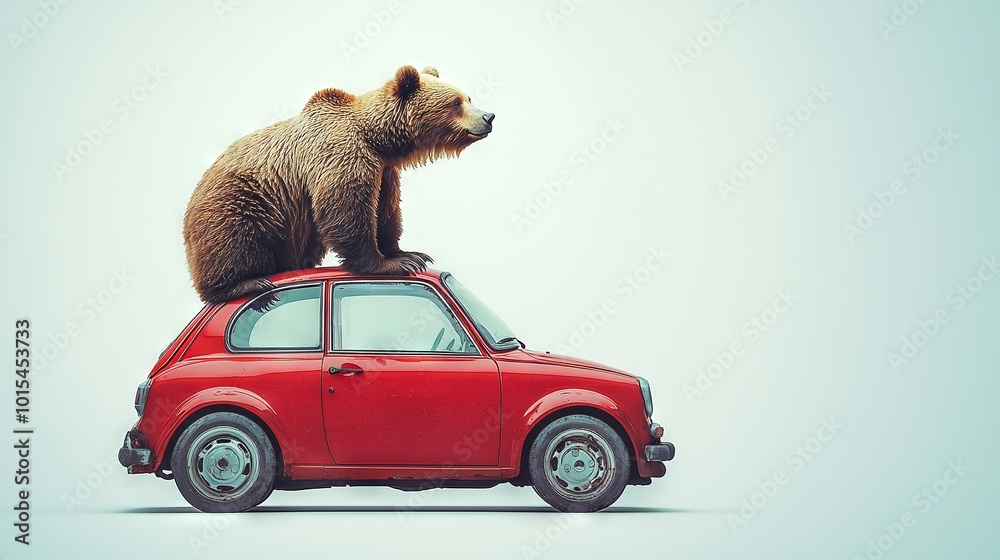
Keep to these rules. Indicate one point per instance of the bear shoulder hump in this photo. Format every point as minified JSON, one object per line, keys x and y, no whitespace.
{"x":331,"y":96}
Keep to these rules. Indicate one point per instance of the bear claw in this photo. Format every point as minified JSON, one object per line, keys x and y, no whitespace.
{"x":403,"y":265}
{"x":264,"y":302}
{"x":416,"y":255}
{"x":413,"y":261}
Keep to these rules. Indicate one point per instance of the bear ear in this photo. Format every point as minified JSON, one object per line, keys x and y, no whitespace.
{"x":407,"y":81}
{"x":432,"y":71}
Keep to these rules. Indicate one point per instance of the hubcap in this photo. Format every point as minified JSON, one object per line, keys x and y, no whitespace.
{"x":223,"y":462}
{"x":580,"y":464}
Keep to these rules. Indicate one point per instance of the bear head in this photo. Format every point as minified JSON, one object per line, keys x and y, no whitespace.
{"x":437,"y":119}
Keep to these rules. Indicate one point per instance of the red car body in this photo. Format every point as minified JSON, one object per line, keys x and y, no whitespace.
{"x":398,"y":419}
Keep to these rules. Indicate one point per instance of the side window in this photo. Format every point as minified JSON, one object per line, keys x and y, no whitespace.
{"x":395,"y":317}
{"x":294,"y":322}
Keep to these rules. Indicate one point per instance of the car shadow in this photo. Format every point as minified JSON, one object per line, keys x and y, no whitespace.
{"x":417,"y":509}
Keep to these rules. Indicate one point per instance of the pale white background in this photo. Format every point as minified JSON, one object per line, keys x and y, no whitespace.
{"x":555,"y":83}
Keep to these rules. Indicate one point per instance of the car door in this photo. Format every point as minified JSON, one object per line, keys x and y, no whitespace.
{"x":403,"y":382}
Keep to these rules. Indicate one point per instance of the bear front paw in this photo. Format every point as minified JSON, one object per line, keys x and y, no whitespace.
{"x":402,"y":266}
{"x":422,"y":258}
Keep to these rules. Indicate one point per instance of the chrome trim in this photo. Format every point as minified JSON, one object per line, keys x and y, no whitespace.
{"x":647,"y":396}
{"x":141,"y":394}
{"x":659,"y":452}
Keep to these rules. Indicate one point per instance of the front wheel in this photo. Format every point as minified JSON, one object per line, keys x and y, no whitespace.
{"x":578,"y":464}
{"x":224,"y":462}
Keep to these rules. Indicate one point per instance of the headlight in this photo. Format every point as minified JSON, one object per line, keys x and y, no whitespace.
{"x":647,"y":397}
{"x":140,"y":395}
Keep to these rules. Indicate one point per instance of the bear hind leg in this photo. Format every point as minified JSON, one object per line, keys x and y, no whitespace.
{"x":248,"y":287}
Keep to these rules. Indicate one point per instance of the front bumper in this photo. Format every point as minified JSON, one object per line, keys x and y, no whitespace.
{"x":130,"y":456}
{"x":659,"y":452}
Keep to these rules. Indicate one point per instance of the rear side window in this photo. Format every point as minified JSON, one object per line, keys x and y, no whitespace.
{"x":294,"y":322}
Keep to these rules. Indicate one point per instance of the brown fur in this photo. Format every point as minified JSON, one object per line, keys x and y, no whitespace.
{"x":327,"y":179}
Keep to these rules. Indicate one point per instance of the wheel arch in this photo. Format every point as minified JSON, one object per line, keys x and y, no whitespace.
{"x":198,"y":413}
{"x":524,"y":478}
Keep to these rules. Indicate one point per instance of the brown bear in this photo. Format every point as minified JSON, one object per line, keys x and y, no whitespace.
{"x":327,"y":179}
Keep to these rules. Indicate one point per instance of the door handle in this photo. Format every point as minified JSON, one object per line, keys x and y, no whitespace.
{"x":335,"y":370}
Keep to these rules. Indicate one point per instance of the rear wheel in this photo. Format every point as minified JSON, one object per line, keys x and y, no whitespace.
{"x":579,"y":464}
{"x":224,"y":462}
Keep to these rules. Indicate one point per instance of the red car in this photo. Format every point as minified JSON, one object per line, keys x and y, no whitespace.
{"x":409,"y":382}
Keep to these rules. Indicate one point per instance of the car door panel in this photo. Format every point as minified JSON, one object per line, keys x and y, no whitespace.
{"x":412,"y":410}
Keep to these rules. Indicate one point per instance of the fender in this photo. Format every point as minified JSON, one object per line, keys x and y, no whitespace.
{"x":232,"y":396}
{"x":559,"y":400}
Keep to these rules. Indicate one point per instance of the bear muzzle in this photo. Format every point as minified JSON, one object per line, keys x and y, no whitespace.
{"x":481,"y":130}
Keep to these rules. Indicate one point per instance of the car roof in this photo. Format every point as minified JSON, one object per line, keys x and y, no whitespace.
{"x":337,"y":272}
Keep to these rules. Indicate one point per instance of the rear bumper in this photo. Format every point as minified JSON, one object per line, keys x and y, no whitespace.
{"x":131,"y":456}
{"x":659,"y":452}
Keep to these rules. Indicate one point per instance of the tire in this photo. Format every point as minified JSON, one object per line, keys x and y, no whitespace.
{"x":579,"y":464}
{"x":224,"y":462}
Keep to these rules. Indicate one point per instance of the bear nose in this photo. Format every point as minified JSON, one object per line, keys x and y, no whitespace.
{"x":488,"y":117}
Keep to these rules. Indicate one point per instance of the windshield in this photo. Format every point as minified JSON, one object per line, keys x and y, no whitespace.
{"x":491,"y":327}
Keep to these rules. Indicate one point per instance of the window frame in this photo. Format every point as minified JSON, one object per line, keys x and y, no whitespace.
{"x":515,"y":345}
{"x":318,"y":349}
{"x":334,"y":315}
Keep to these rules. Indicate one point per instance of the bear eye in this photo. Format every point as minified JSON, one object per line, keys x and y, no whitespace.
{"x":457,"y":104}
